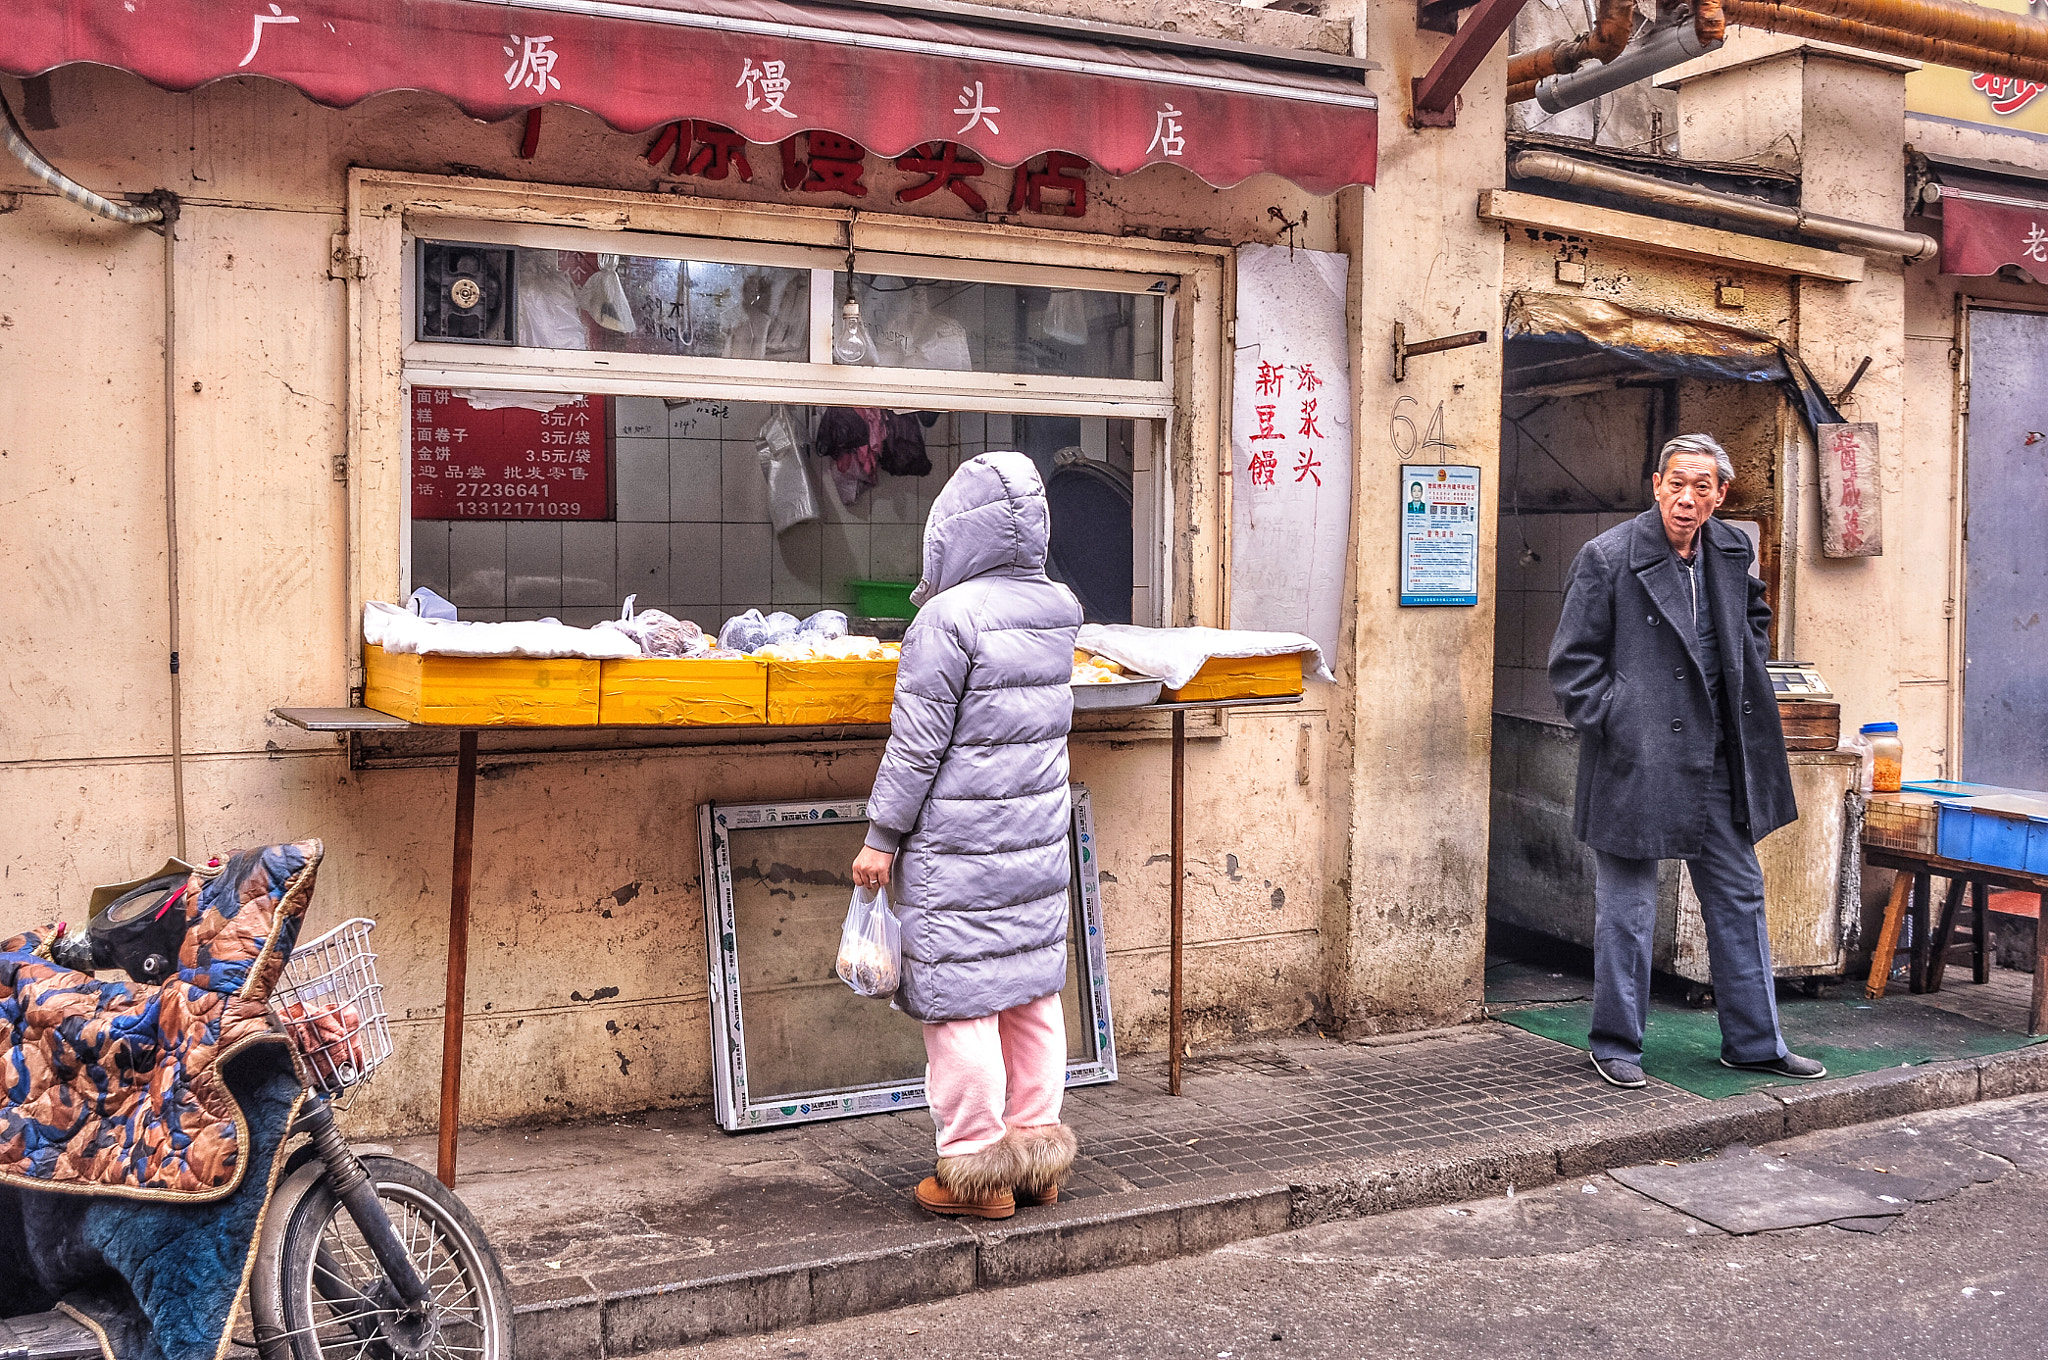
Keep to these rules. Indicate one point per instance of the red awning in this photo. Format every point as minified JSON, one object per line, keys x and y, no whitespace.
{"x":1990,"y":221}
{"x":763,"y":68}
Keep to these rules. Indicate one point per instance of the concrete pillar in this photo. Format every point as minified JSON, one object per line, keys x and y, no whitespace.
{"x":1406,"y":917}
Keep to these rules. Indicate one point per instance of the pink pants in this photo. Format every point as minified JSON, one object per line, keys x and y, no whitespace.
{"x":1015,"y":1060}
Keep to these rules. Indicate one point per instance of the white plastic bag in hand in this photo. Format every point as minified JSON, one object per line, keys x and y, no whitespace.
{"x":871,"y":945}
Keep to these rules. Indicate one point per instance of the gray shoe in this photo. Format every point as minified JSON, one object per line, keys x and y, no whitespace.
{"x":1791,"y":1065}
{"x":1620,"y":1072}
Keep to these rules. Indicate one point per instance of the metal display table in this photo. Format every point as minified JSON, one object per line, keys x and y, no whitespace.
{"x":347,"y":720}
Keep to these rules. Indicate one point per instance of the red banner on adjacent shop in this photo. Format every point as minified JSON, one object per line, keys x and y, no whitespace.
{"x":1989,"y":222}
{"x":764,"y":68}
{"x":509,"y":462}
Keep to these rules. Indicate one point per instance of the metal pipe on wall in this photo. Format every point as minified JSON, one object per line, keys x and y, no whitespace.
{"x":1802,"y":20}
{"x":1612,"y":26}
{"x":1910,"y":245}
{"x":1941,"y":20}
{"x":18,"y":144}
{"x":1659,"y":49}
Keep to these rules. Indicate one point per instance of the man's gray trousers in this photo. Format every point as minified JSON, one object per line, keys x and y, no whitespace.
{"x":1730,"y":886}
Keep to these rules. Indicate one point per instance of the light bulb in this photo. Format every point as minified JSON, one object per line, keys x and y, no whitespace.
{"x":850,"y":343}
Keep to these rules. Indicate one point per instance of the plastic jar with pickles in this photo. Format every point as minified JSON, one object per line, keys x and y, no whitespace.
{"x":1887,"y":756}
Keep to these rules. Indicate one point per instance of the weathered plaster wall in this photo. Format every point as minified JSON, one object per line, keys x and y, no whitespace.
{"x":1839,"y":118}
{"x":586,"y":869}
{"x":1408,"y":897}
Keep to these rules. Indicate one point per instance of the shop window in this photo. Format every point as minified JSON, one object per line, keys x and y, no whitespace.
{"x":528,"y":505}
{"x":587,"y":424}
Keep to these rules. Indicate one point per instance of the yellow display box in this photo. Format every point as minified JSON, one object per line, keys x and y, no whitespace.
{"x":682,"y":693}
{"x":481,"y":691}
{"x":827,"y":693}
{"x":1241,"y":677}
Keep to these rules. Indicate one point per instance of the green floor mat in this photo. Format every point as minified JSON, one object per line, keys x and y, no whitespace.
{"x":1683,"y":1046}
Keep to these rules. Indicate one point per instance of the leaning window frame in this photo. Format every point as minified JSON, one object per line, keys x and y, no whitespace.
{"x":736,"y":1109}
{"x":389,"y":211}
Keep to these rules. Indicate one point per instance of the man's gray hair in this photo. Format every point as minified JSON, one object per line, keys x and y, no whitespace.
{"x":1704,"y":444}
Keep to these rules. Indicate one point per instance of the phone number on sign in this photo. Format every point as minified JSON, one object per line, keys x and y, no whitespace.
{"x":519,"y":509}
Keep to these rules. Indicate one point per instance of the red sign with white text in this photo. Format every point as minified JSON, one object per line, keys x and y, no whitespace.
{"x":761,"y":69}
{"x":511,"y":462}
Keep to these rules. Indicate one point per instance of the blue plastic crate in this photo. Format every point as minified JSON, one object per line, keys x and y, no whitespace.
{"x":1973,"y":836}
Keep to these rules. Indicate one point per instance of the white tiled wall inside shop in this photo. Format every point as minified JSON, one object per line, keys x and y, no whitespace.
{"x":1535,"y":560}
{"x":693,"y":534}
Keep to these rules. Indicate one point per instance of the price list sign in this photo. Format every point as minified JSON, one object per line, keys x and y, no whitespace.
{"x":510,"y":462}
{"x":1439,"y":534}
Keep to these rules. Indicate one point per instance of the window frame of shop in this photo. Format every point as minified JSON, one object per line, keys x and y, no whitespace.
{"x":388,"y":212}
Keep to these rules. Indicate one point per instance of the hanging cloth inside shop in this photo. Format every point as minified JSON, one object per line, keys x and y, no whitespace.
{"x":902,"y":453}
{"x":851,"y":438}
{"x":863,"y":442}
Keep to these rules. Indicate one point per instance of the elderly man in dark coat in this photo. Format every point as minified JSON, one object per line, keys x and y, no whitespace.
{"x":1659,"y":663}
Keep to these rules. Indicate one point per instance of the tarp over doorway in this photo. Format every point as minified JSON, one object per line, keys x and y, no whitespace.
{"x":1586,"y":335}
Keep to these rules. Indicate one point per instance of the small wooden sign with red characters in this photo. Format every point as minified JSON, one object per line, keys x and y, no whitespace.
{"x":492,"y":461}
{"x":1850,"y":522}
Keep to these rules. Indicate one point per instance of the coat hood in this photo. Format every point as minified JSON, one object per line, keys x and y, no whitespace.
{"x":990,"y":516}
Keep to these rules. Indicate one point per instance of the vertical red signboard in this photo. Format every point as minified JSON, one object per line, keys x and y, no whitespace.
{"x":510,"y":462}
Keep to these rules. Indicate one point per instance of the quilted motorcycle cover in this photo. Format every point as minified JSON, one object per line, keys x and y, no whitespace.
{"x":113,"y":1087}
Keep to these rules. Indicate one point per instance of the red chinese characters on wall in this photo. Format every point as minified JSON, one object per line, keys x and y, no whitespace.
{"x":509,"y":463}
{"x":1053,"y":185}
{"x":702,"y":150}
{"x":1271,"y":380}
{"x":2007,"y":94}
{"x":945,"y":165}
{"x":1060,"y":172}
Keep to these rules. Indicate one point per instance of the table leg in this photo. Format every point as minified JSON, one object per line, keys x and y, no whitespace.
{"x":1923,"y":890}
{"x":1887,"y":951}
{"x":1176,"y":1038}
{"x":2037,"y":1019}
{"x":1980,"y":904}
{"x":1944,"y":934}
{"x":457,"y":992}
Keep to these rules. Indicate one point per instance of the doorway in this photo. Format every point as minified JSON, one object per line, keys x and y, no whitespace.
{"x":2005,"y":571}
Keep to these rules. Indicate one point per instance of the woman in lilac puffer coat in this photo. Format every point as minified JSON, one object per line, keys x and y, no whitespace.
{"x":968,"y":825}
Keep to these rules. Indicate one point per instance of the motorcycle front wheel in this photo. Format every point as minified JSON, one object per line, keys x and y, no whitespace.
{"x":317,"y":1292}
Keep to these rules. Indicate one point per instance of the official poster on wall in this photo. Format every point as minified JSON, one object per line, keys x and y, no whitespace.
{"x":1439,"y":534}
{"x":1290,"y":443}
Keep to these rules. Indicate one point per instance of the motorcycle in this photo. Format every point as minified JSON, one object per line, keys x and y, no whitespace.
{"x":350,"y":1253}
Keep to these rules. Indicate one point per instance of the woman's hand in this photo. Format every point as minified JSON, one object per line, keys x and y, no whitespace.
{"x":871,"y":868}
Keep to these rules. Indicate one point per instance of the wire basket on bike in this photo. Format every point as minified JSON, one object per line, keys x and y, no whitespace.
{"x":332,"y":1005}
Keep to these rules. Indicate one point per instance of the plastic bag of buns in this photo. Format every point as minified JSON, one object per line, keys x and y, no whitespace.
{"x":871,"y":945}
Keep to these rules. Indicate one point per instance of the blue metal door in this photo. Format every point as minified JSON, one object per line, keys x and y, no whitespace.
{"x":2005,"y":552}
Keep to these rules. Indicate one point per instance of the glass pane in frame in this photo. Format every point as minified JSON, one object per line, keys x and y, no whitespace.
{"x":791,"y":1042}
{"x":968,"y":327}
{"x":540,"y":298}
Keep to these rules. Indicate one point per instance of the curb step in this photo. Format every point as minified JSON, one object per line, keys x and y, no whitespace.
{"x":640,"y":1309}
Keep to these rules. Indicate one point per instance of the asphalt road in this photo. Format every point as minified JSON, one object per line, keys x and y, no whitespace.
{"x":1584,"y":1269}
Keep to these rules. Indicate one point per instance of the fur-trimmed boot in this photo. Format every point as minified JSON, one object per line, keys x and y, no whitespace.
{"x":975,"y":1184}
{"x":1043,"y":1154}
